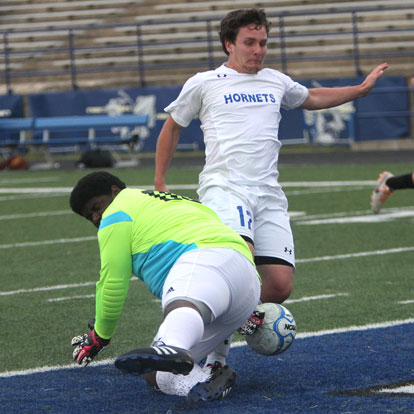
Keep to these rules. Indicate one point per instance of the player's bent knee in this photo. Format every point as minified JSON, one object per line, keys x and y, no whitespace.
{"x":274,"y":294}
{"x":200,"y":307}
{"x":277,"y":283}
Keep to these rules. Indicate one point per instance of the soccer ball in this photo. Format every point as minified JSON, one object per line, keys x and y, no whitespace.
{"x":277,"y":332}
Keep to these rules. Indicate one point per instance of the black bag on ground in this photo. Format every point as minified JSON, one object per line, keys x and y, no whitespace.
{"x":96,"y":158}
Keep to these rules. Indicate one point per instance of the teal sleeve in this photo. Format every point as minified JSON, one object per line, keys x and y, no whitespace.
{"x":116,"y":268}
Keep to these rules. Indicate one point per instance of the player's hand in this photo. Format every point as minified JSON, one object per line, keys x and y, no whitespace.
{"x":372,"y":78}
{"x":87,"y":346}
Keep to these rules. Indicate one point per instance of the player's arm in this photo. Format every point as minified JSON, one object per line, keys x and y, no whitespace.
{"x":320,"y":98}
{"x":116,"y":269}
{"x":111,"y":291}
{"x":166,"y":146}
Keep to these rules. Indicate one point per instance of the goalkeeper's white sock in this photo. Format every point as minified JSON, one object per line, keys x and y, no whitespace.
{"x":172,"y":384}
{"x":182,"y":327}
{"x":220,"y":353}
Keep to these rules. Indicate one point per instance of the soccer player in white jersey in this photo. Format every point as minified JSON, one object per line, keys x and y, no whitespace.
{"x":238,"y":105}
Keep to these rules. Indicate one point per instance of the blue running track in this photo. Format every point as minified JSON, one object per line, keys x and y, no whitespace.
{"x":331,"y":374}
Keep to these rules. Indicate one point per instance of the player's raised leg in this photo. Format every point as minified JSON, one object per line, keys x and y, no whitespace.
{"x":381,"y":192}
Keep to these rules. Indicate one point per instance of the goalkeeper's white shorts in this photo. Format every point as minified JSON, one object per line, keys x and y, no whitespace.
{"x":221,"y":279}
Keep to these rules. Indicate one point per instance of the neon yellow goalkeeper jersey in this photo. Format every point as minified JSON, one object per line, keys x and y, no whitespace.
{"x":144,"y":233}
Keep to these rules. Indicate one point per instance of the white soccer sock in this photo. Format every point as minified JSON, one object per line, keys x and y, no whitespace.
{"x":182,"y":327}
{"x":220,"y":353}
{"x":181,"y":385}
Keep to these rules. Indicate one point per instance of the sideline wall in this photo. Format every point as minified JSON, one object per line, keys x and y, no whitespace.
{"x":354,"y":122}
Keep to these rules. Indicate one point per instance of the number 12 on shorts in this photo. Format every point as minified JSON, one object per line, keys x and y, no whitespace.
{"x":245,"y":217}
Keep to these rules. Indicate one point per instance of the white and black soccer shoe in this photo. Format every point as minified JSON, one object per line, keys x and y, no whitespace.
{"x":216,"y":387}
{"x":155,"y":358}
{"x":212,"y":368}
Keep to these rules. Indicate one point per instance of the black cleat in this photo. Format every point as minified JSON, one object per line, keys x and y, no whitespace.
{"x":216,"y":387}
{"x":212,"y":368}
{"x":155,"y":358}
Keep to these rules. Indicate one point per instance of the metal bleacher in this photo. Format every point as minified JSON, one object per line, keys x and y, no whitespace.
{"x":60,"y":45}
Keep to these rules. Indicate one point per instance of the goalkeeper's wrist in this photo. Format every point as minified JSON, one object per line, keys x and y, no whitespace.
{"x":102,"y":341}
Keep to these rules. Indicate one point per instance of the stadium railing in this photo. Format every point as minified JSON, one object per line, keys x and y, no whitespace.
{"x":148,"y":57}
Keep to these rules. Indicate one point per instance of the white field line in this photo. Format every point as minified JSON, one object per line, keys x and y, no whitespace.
{"x":233,"y":345}
{"x":306,"y":184}
{"x":56,"y":287}
{"x":46,"y":242}
{"x":346,"y":214}
{"x":71,"y":297}
{"x":29,"y":196}
{"x":60,"y":192}
{"x":405,"y":302}
{"x":323,"y":190}
{"x":320,"y":187}
{"x":35,"y":190}
{"x":295,"y":216}
{"x":304,"y":299}
{"x":352,"y":255}
{"x":370,"y":218}
{"x":311,"y":259}
{"x":47,"y":190}
{"x":407,"y":389}
{"x":328,"y":183}
{"x":331,"y":215}
{"x":39,"y":214}
{"x":355,"y":328}
{"x":8,"y":181}
{"x":46,"y":288}
{"x":319,"y":297}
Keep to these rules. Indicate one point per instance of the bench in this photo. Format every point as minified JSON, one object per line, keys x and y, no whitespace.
{"x":22,"y":133}
{"x":13,"y":125}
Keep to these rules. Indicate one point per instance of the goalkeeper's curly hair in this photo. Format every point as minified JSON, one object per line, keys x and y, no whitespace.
{"x":92,"y":185}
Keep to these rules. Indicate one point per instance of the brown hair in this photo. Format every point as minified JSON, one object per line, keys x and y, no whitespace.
{"x":233,"y":21}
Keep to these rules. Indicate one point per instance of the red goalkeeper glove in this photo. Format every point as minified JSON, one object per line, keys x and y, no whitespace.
{"x":87,"y":346}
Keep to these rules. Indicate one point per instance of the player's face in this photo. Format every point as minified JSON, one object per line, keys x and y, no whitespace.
{"x":247,"y":53}
{"x":96,"y":206}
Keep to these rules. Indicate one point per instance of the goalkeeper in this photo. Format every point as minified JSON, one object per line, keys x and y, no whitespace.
{"x":202,"y":271}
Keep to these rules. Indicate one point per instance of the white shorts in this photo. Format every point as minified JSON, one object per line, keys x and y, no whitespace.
{"x":256,"y":212}
{"x":223,"y":280}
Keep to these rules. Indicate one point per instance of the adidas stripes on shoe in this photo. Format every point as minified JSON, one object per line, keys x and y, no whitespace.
{"x":155,"y":358}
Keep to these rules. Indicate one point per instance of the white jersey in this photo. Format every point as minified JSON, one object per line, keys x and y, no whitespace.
{"x":240,"y":115}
